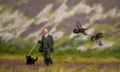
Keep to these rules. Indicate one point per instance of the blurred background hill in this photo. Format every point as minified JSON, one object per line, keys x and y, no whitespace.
{"x":22,"y":22}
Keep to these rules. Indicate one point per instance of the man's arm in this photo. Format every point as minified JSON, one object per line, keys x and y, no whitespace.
{"x":51,"y":43}
{"x":41,"y":45}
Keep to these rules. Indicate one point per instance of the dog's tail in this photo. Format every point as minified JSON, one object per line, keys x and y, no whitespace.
{"x":36,"y":58}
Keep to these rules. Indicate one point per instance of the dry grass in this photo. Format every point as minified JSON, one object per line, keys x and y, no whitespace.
{"x":61,"y":64}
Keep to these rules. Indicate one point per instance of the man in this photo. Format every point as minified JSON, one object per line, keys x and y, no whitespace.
{"x":46,"y":46}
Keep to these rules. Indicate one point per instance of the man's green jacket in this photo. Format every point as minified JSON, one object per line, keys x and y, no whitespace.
{"x":47,"y":43}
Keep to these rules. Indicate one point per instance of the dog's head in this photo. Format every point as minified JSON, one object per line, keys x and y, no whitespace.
{"x":30,"y":60}
{"x":28,"y":57}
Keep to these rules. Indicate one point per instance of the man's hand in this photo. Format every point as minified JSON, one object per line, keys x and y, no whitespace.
{"x":39,"y":41}
{"x":40,"y":50}
{"x":51,"y":49}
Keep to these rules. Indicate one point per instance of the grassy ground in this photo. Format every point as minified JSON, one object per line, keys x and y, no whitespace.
{"x":66,"y":63}
{"x":12,"y":58}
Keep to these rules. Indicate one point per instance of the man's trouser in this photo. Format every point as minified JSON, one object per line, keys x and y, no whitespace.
{"x":47,"y":56}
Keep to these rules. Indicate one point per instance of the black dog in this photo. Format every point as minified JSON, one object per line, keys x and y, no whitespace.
{"x":79,"y":29}
{"x":96,"y":37}
{"x":30,"y":60}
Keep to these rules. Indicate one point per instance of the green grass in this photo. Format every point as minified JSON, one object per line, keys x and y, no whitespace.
{"x":23,"y":1}
{"x":16,"y":46}
{"x":22,"y":47}
{"x":18,"y":49}
{"x":5,"y":8}
{"x":5,"y":24}
{"x":65,"y":42}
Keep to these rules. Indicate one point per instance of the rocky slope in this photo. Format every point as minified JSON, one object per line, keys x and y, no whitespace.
{"x":27,"y":18}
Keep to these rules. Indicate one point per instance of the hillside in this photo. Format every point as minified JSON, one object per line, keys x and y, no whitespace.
{"x":26,"y":19}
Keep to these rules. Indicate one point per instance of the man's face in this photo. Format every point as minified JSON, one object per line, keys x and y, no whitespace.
{"x":45,"y":31}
